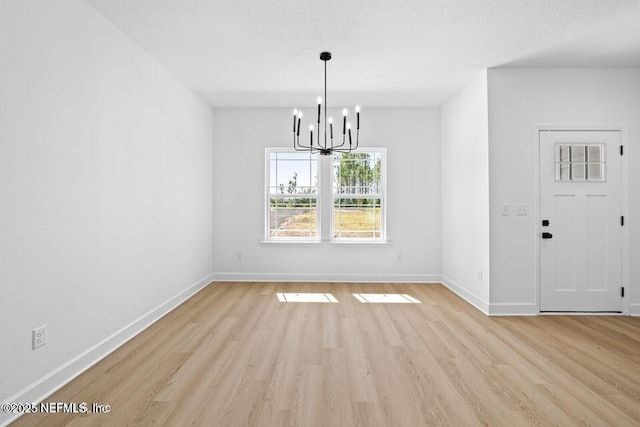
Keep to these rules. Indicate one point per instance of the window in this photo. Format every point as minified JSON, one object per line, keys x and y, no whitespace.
{"x":358,"y":196}
{"x":292,"y":195}
{"x":352,"y":198}
{"x":580,"y":162}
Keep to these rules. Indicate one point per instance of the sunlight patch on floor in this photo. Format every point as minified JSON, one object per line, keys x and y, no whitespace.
{"x":305,"y":297}
{"x":386,"y":298}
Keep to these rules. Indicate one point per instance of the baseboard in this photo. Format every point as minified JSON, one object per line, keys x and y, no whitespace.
{"x":470,"y":297}
{"x":634,"y":310}
{"x":48,"y":384}
{"x":310,"y":277}
{"x":513,"y":309}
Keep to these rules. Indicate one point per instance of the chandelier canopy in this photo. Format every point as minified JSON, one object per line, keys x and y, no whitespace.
{"x":321,"y":145}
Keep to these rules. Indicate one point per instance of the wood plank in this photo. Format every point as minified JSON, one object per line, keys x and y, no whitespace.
{"x":234,"y":355}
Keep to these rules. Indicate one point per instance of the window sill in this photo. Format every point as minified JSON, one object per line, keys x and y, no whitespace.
{"x":288,"y":242}
{"x":324,"y":242}
{"x":359,"y":242}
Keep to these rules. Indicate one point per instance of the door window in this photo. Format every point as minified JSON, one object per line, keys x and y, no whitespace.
{"x":580,"y":162}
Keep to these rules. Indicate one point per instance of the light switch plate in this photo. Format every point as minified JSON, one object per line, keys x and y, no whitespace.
{"x":522,"y":209}
{"x":506,"y":209}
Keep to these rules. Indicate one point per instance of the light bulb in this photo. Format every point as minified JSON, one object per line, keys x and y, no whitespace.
{"x":357,"y":108}
{"x":299,"y":114}
{"x":295,"y":112}
{"x":348,"y":125}
{"x":330,"y":120}
{"x":344,"y":112}
{"x":311,"y":128}
{"x":319,"y":100}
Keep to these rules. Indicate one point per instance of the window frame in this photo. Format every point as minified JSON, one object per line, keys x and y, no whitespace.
{"x":268,"y":196}
{"x":602,"y":164}
{"x":324,"y":191}
{"x":382,"y":197}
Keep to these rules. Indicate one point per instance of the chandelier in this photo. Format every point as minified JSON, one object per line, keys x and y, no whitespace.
{"x":321,"y":145}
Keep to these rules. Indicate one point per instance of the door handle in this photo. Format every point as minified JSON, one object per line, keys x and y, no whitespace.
{"x":546,"y":235}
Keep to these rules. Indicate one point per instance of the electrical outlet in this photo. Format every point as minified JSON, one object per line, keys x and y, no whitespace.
{"x":506,"y":209}
{"x":239,"y":256}
{"x":399,"y":257}
{"x":39,"y":336}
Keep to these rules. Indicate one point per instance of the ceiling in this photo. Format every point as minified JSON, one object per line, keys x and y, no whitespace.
{"x":261,"y":53}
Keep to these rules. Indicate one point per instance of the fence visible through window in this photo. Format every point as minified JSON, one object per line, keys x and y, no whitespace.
{"x":358,"y":196}
{"x":293,"y":195}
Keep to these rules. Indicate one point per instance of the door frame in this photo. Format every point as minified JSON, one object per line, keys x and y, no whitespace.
{"x":624,"y":191}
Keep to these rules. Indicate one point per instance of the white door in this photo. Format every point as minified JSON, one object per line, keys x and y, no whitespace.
{"x":580,"y":221}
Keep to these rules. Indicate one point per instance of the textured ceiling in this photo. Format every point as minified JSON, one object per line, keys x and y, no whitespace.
{"x":385,"y":53}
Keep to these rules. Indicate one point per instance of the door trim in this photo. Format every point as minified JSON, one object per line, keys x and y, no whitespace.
{"x":624,"y":191}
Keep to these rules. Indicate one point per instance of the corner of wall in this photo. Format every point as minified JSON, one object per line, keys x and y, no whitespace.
{"x":465,"y":294}
{"x":465,"y":192}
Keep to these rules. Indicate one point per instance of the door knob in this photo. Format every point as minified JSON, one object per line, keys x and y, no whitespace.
{"x":546,"y":235}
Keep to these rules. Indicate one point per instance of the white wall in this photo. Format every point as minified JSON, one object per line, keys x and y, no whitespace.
{"x":105,"y":185}
{"x":412,"y":137}
{"x":465,"y":192}
{"x":520,"y":99}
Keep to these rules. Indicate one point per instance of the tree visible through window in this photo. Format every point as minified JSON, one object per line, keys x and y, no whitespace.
{"x":292,"y":194}
{"x":358,"y":195}
{"x":353,"y":197}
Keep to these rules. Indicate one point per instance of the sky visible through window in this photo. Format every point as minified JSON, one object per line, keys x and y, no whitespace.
{"x":356,"y":201}
{"x":284,"y":166}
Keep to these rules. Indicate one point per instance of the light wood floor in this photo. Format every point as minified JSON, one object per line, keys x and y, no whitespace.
{"x":233,"y":355}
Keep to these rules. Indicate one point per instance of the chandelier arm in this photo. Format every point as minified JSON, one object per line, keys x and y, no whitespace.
{"x":342,"y":150}
{"x":304,"y":147}
{"x":295,"y":147}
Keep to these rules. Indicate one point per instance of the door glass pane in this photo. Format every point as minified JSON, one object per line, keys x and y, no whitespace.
{"x":562,"y":153}
{"x":596,"y":172}
{"x":577,"y":171}
{"x":562,"y":171}
{"x":594,"y":153}
{"x":578,"y":153}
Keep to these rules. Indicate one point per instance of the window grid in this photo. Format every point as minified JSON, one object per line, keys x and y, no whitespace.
{"x":354,"y":196}
{"x":292,"y":209}
{"x":357,"y":206}
{"x":580,"y":162}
